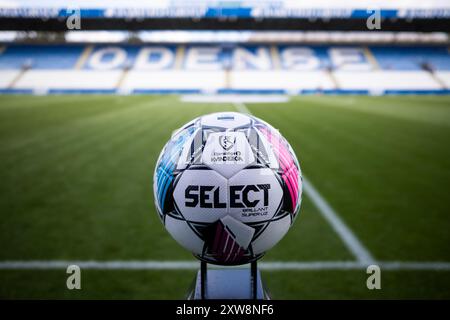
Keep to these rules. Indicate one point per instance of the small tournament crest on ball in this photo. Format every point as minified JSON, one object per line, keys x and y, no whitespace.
{"x":227,"y":142}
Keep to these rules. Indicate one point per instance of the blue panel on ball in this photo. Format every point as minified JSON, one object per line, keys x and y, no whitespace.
{"x":167,"y":164}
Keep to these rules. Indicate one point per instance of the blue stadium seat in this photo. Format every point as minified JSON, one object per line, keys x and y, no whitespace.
{"x":411,"y":58}
{"x":40,"y":56}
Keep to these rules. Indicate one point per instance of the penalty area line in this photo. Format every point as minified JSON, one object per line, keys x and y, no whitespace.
{"x":348,"y":237}
{"x":353,"y":244}
{"x":192,"y":265}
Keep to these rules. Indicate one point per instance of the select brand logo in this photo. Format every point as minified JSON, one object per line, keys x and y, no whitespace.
{"x":205,"y":196}
{"x":240,"y":196}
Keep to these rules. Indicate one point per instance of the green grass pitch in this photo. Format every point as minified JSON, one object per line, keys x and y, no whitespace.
{"x":76,"y":184}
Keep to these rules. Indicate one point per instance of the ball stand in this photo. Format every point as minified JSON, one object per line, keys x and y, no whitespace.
{"x":231,"y":283}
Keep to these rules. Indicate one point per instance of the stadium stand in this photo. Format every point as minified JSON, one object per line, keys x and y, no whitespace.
{"x":204,"y":68}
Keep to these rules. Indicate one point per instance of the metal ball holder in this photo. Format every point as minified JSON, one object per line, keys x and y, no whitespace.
{"x":228,"y":283}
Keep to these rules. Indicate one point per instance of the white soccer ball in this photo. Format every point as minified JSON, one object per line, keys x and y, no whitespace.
{"x":227,"y":187}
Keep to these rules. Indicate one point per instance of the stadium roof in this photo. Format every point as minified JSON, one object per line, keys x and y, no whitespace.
{"x":225,"y":8}
{"x":300,"y":15}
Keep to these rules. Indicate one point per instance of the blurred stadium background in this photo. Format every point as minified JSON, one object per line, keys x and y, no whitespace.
{"x":91,"y":91}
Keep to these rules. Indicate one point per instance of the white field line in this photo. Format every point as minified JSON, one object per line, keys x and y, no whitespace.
{"x":348,"y":237}
{"x":242,"y":108}
{"x":192,"y":265}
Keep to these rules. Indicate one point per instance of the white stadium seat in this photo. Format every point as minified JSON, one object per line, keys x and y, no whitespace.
{"x":386,"y":80}
{"x":7,"y":76}
{"x":173,"y":80}
{"x":280,"y":80}
{"x":444,"y":76}
{"x":68,"y":80}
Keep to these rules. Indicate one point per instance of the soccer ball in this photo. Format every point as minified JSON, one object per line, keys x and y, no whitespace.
{"x":227,"y":187}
